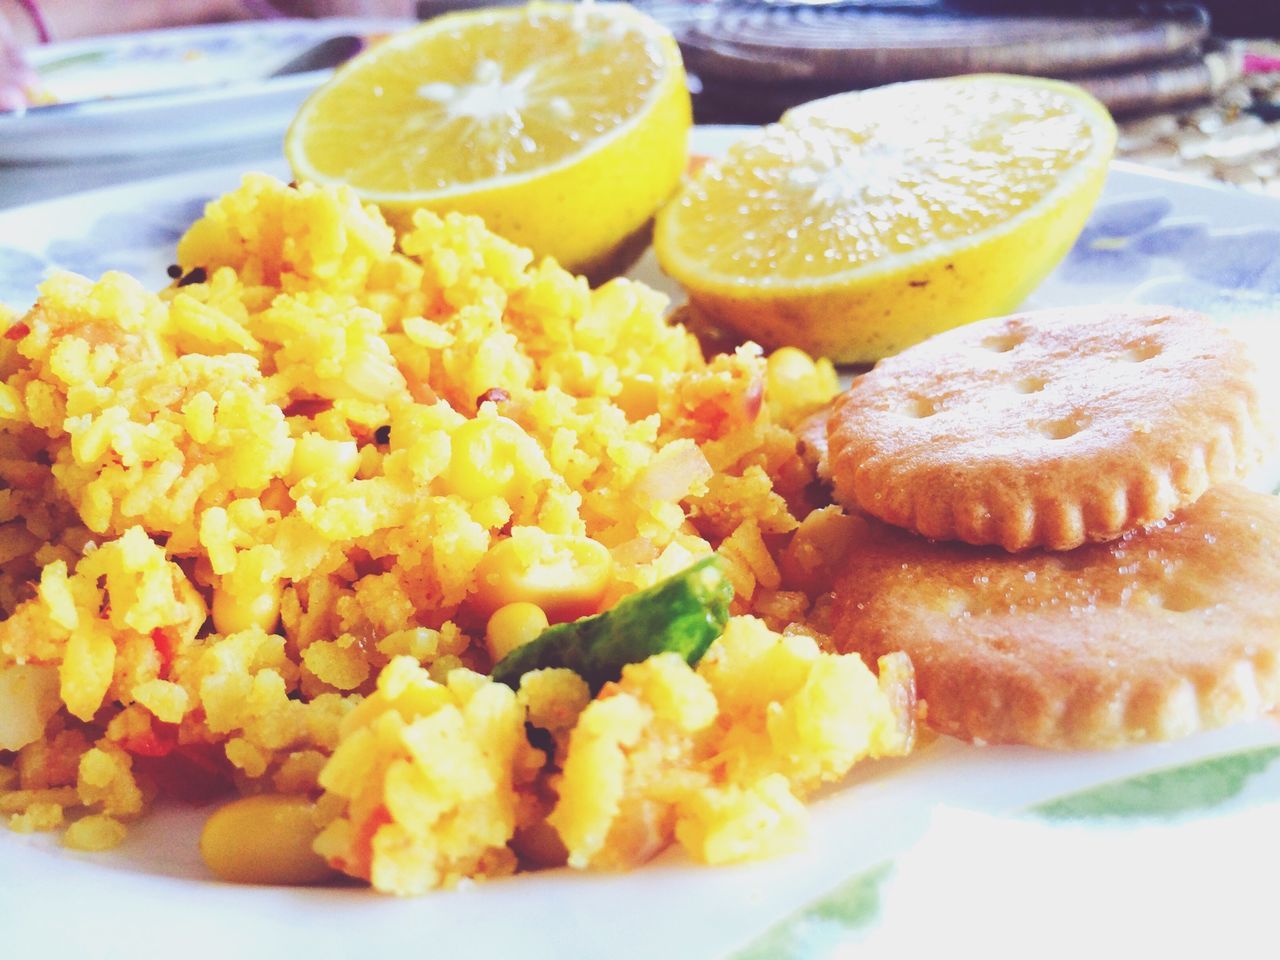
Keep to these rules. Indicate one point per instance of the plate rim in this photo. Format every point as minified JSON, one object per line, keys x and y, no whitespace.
{"x":177,"y":36}
{"x":131,"y":897}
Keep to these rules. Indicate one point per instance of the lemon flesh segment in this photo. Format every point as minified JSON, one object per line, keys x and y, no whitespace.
{"x":866,"y":222}
{"x":564,"y":126}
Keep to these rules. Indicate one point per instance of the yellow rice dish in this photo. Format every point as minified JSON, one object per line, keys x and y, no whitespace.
{"x":268,"y":530}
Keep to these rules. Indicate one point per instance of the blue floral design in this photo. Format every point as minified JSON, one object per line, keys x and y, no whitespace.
{"x":1125,"y":241}
{"x":1247,"y":259}
{"x":127,"y":241}
{"x":20,"y":274}
{"x":140,"y":242}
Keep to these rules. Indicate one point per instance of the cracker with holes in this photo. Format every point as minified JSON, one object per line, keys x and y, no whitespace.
{"x":1052,"y":428}
{"x":1156,"y":635}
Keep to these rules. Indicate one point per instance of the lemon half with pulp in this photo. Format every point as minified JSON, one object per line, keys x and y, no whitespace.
{"x":863,"y":223}
{"x":563,"y":125}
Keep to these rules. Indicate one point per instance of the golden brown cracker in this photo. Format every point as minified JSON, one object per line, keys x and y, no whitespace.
{"x":1053,"y":428}
{"x":1156,"y":635}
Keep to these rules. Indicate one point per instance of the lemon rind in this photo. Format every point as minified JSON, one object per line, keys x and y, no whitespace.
{"x":653,"y":31}
{"x":706,"y":281}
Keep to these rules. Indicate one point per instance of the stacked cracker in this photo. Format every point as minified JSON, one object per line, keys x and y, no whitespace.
{"x":1065,"y":553}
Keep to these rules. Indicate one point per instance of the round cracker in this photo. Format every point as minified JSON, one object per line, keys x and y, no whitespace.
{"x":1053,"y":428}
{"x":1157,"y":635}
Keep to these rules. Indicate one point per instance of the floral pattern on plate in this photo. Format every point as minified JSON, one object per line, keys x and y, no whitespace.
{"x":135,"y":241}
{"x":127,"y":240}
{"x":1196,"y":789}
{"x":1128,"y":241}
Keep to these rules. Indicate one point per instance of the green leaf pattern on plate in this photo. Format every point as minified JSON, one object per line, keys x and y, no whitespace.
{"x":1165,"y":793}
{"x":814,"y":930}
{"x":75,"y":60}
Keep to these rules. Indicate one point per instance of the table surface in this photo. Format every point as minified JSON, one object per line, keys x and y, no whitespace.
{"x":1234,"y":139}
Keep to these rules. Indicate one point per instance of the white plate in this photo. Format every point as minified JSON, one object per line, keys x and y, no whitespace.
{"x":165,"y":91}
{"x":1184,"y":853}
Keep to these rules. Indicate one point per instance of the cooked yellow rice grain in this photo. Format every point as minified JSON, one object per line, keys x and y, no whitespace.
{"x":253,"y":526}
{"x":37,"y":816}
{"x":94,"y":833}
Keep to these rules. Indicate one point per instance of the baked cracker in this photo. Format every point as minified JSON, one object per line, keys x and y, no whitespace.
{"x":1157,"y":635}
{"x":1052,"y":428}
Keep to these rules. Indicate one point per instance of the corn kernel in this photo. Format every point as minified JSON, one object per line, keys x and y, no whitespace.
{"x":563,"y":574}
{"x":789,"y":365}
{"x":233,"y":612}
{"x":264,"y":839}
{"x":493,"y":457}
{"x":794,"y":381}
{"x":512,"y":626}
{"x":638,"y":396}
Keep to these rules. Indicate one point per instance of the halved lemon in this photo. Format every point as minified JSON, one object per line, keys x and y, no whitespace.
{"x":865,"y":222}
{"x":563,"y":125}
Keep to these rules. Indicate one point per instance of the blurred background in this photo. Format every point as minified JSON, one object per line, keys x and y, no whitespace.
{"x":1195,"y":86}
